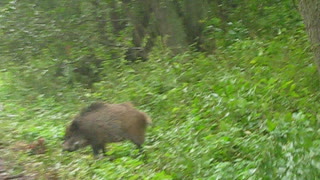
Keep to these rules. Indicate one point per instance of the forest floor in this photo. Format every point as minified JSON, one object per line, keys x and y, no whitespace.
{"x":6,"y":175}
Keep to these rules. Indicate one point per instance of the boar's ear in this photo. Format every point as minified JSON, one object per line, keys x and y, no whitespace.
{"x":74,"y":125}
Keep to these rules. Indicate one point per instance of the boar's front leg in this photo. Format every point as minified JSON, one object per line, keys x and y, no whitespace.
{"x":103,"y":150}
{"x":96,"y":149}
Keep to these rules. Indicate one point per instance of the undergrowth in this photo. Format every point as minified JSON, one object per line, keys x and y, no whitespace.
{"x":247,"y":112}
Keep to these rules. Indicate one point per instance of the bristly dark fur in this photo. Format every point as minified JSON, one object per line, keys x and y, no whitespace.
{"x":103,"y":123}
{"x":93,"y":107}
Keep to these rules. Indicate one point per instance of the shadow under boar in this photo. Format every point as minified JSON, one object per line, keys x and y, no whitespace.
{"x":102,"y":123}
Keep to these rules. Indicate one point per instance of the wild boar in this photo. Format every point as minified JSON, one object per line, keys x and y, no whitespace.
{"x":102,"y":123}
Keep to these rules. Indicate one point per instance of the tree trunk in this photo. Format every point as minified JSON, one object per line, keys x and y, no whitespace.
{"x":310,"y":11}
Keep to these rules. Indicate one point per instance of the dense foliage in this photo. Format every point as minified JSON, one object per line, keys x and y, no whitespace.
{"x":242,"y":103}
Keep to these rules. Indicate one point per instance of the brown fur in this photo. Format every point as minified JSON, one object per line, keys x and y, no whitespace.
{"x":102,"y":123}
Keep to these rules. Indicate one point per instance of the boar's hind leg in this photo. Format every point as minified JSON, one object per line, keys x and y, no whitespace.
{"x":141,"y":150}
{"x":138,"y":141}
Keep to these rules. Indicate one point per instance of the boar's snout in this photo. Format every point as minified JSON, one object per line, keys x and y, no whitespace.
{"x":73,"y":144}
{"x":68,"y":147}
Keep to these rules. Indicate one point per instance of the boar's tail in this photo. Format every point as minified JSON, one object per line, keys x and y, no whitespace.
{"x":147,"y":118}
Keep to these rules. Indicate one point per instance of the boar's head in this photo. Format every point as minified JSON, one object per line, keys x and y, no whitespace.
{"x":74,"y":139}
